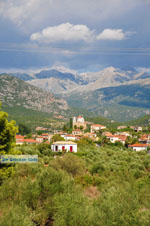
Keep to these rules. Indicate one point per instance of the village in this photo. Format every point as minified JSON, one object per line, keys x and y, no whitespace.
{"x":132,"y":137}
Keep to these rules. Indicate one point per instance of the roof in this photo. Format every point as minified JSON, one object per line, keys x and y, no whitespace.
{"x":120,"y":137}
{"x":139,"y":145}
{"x":69,"y":135}
{"x":107,"y":133}
{"x":92,"y":134}
{"x":98,"y":125}
{"x":27,"y":141}
{"x":19,"y":137}
{"x":64,"y":142}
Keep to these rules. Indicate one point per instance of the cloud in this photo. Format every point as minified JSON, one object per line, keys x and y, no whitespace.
{"x":114,"y":34}
{"x":63,"y":32}
{"x":30,"y":15}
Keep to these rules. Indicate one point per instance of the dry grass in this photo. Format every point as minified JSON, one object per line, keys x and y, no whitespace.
{"x":92,"y":192}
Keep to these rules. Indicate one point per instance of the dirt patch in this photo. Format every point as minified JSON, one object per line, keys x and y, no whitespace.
{"x":92,"y":192}
{"x":143,"y":209}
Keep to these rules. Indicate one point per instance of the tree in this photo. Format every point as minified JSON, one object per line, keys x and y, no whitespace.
{"x":71,"y":123}
{"x":65,"y":129}
{"x":81,"y":127}
{"x":57,"y":137}
{"x":8,"y":131}
{"x":23,"y":129}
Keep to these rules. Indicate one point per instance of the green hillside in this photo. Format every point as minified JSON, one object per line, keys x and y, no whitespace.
{"x":103,"y":121}
{"x":143,"y":121}
{"x":32,"y":118}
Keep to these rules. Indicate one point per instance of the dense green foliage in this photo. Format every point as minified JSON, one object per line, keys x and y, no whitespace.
{"x":31,"y":118}
{"x":95,"y":187}
{"x":23,"y":129}
{"x":104,"y":121}
{"x":7,"y":142}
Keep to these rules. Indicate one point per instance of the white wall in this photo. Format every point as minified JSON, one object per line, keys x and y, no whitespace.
{"x":139,"y":148}
{"x":67,"y":147}
{"x":70,"y":138}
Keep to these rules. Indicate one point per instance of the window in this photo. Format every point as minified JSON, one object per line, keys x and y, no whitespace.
{"x":56,"y":148}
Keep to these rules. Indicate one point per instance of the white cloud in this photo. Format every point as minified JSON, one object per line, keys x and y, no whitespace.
{"x":64,"y":32}
{"x":113,"y":34}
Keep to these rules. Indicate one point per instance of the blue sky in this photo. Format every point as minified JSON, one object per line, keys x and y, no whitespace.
{"x":82,"y":35}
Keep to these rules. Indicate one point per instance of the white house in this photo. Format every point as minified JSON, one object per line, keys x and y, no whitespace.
{"x":119,"y":138}
{"x":139,"y":147}
{"x":97,"y":127}
{"x":69,"y":146}
{"x":70,"y":137}
{"x":138,"y":129}
{"x":77,"y":132}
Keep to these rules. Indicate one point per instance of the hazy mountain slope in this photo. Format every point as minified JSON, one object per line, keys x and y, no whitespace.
{"x":121,"y":103}
{"x":54,"y":85}
{"x":111,"y":92}
{"x":15,"y":92}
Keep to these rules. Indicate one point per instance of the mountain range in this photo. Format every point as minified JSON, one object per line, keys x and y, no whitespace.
{"x":119,"y":94}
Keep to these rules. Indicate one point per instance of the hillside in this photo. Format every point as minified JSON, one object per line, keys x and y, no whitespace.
{"x":17,"y":93}
{"x":143,"y":121}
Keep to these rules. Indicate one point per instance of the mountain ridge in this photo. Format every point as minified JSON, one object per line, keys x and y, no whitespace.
{"x":97,"y":91}
{"x":15,"y":92}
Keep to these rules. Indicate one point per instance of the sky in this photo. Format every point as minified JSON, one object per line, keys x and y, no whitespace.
{"x":81,"y":35}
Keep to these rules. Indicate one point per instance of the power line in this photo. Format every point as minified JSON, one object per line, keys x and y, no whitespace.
{"x":74,"y":53}
{"x":69,"y":50}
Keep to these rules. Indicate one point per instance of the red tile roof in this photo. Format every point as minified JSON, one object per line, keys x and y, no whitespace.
{"x":19,"y":137}
{"x":97,"y":125}
{"x":139,"y":145}
{"x":27,"y":141}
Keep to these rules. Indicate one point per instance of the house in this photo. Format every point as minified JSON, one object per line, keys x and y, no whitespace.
{"x":40,"y":128}
{"x":92,"y":136}
{"x":70,"y":137}
{"x":97,"y":127}
{"x":115,"y":138}
{"x":47,"y":136}
{"x":121,"y":127}
{"x":106,"y":133}
{"x":145,"y":138}
{"x":26,"y":141}
{"x":39,"y":139}
{"x":138,"y":129}
{"x":69,"y":146}
{"x":127,"y":134}
{"x":19,"y":137}
{"x":139,"y":147}
{"x":77,"y":132}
